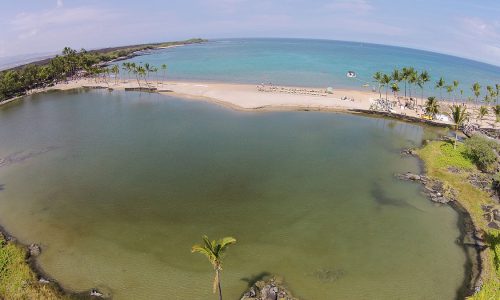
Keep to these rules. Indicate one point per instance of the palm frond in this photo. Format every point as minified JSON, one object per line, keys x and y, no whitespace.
{"x":226,"y":241}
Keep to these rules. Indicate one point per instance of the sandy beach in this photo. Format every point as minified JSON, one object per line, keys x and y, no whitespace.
{"x":268,"y":98}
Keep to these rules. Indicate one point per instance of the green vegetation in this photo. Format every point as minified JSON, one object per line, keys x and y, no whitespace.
{"x":439,"y":157}
{"x":18,"y":81}
{"x":413,"y":79}
{"x":482,"y":152}
{"x":17,"y":280}
{"x":432,"y":106}
{"x":214,"y":251}
{"x":459,"y":116}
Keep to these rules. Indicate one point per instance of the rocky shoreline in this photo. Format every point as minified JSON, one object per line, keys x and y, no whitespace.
{"x":471,"y":237}
{"x":272,"y":288}
{"x":32,"y":252}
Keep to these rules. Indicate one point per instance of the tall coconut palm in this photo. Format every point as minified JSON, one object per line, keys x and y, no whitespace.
{"x":482,"y":112}
{"x":489,"y":92}
{"x":423,"y":79}
{"x":395,"y":89}
{"x":496,"y":111}
{"x":396,"y":76}
{"x":440,"y":84}
{"x":406,"y":72}
{"x":126,"y":67}
{"x":412,"y":79}
{"x":492,"y":93}
{"x":497,"y":89}
{"x":147,"y":70}
{"x":164,"y":69}
{"x":214,"y":251}
{"x":456,"y":83}
{"x":476,"y":89}
{"x":385,"y":81}
{"x":432,"y":107}
{"x":377,"y":77}
{"x":115,"y":70}
{"x":459,"y":115}
{"x":141,"y":72}
{"x":449,"y":90}
{"x":135,"y":71}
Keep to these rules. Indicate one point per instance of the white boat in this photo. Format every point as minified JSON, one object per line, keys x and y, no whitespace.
{"x":351,"y":74}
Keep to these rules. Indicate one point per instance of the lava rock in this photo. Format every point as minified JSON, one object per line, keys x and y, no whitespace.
{"x":496,"y":215}
{"x":34,"y":250}
{"x":493,"y":225}
{"x":486,"y":208}
{"x":95,"y":293}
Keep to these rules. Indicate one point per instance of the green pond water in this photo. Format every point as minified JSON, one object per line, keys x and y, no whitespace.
{"x":116,"y":187}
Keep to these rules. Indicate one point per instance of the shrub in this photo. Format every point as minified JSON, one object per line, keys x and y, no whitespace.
{"x":483,"y":152}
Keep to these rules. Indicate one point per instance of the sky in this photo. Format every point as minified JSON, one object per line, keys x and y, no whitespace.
{"x":465,"y":28}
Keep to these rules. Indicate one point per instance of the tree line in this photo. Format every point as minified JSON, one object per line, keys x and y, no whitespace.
{"x":483,"y":100}
{"x":70,"y":64}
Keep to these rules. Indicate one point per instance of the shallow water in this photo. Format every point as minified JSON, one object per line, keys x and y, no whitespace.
{"x":130,"y":181}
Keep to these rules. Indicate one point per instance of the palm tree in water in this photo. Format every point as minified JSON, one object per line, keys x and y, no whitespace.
{"x":214,"y":251}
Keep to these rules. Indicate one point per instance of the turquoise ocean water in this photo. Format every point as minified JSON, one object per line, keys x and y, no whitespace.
{"x":311,"y":63}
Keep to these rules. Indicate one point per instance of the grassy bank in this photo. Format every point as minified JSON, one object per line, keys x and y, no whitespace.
{"x":453,"y":167}
{"x":17,"y":279}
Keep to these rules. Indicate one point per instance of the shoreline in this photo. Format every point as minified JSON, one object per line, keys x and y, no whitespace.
{"x":250,"y":97}
{"x":43,"y":278}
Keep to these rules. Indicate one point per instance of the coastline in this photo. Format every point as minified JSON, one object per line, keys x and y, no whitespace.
{"x":43,"y":279}
{"x":250,"y":97}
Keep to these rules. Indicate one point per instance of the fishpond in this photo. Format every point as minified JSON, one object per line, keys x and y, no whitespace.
{"x":117,"y":187}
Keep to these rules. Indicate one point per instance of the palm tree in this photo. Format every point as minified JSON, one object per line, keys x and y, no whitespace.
{"x":496,"y":111}
{"x":385,"y":81}
{"x":126,"y":66}
{"x":214,"y":251}
{"x":135,"y":71}
{"x":406,"y":75}
{"x":455,"y":88}
{"x":459,"y":116}
{"x":377,"y":77}
{"x":147,"y":69}
{"x":440,"y":85}
{"x":164,"y":69}
{"x":412,"y":79}
{"x":396,"y":76}
{"x":423,"y":79}
{"x":395,"y":89}
{"x":492,"y":93}
{"x":483,"y":111}
{"x":476,"y":89}
{"x":115,"y":70}
{"x":449,"y":90}
{"x":432,"y":107}
{"x":497,"y":89}
{"x":141,"y":72}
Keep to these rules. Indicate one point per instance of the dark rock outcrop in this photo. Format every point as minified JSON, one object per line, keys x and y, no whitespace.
{"x":271,"y":289}
{"x":434,"y":189}
{"x":34,"y":250}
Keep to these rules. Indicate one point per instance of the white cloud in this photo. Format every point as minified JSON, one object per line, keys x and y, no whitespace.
{"x":349,"y":6}
{"x":31,"y":24}
{"x":60,"y":3}
{"x":482,"y":28}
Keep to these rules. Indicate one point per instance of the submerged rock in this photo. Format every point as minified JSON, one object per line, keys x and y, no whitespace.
{"x":95,"y":293}
{"x":271,"y":289}
{"x":43,"y":280}
{"x":34,"y":250}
